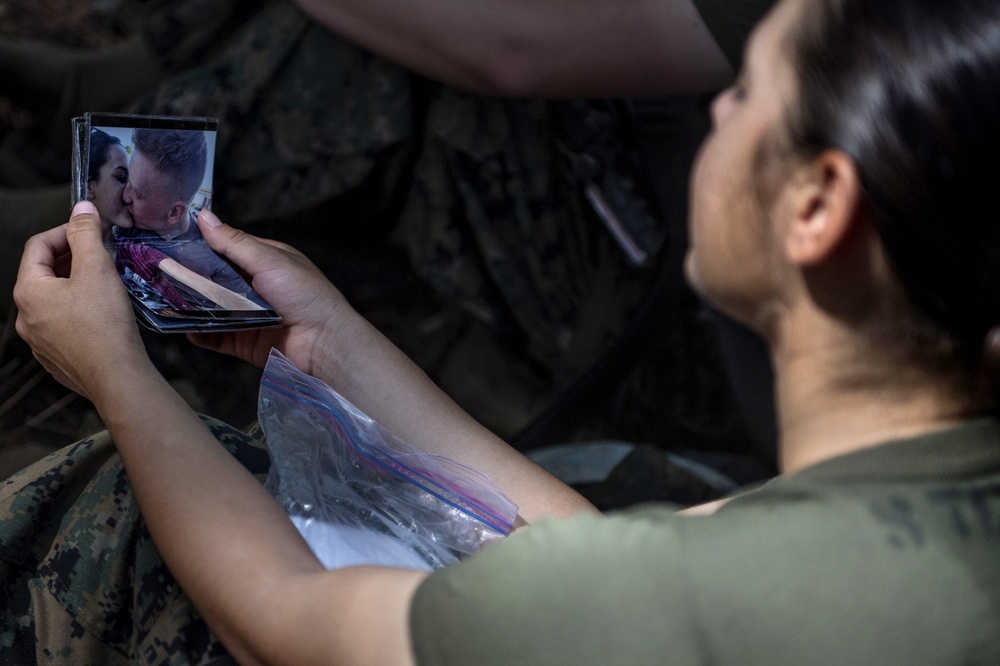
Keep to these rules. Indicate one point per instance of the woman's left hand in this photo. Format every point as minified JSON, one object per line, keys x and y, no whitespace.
{"x":72,"y":306}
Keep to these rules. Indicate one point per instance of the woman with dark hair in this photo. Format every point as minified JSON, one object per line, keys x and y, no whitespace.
{"x":107,"y":175}
{"x":837,"y":210}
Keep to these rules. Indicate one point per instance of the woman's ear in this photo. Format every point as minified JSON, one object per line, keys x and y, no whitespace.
{"x":826,"y":202}
{"x":90,"y":190}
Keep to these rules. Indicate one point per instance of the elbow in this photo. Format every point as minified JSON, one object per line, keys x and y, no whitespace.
{"x":504,"y":78}
{"x":514,"y":70}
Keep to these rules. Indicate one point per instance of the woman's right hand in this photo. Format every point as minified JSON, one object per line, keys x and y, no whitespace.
{"x":315,"y":313}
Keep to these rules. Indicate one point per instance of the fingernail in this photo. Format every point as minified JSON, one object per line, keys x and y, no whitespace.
{"x":210,"y":218}
{"x":83,"y":207}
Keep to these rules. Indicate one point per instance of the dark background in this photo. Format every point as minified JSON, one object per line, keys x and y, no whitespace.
{"x":37,"y":415}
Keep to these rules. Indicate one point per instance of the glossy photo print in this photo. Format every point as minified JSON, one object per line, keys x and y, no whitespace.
{"x":149,"y":177}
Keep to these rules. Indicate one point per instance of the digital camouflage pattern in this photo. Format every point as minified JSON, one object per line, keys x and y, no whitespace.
{"x":479,"y":190}
{"x":496,"y":220}
{"x":484,"y":196}
{"x":304,"y":115}
{"x":82,"y":582}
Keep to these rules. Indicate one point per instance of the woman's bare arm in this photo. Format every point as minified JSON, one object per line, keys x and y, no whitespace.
{"x":216,"y":293}
{"x":231,"y":547}
{"x":538,"y":48}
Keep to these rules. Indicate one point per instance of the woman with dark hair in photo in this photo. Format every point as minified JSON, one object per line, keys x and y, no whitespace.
{"x":836,"y":209}
{"x":107,"y":175}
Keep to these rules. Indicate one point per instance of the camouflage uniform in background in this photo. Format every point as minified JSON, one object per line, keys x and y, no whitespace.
{"x":82,"y":581}
{"x":485,"y":195}
{"x":304,"y":116}
{"x":528,"y":289}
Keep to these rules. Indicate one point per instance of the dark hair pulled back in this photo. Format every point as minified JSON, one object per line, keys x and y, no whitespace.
{"x":911,"y":91}
{"x":100,"y":144}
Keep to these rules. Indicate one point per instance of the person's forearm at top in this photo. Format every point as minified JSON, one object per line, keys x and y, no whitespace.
{"x":538,"y":48}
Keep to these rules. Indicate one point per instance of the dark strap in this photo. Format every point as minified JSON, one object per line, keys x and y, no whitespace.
{"x":665,"y":134}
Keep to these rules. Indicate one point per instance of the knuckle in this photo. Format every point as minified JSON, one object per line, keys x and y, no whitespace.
{"x":19,"y":295}
{"x":238,"y":235}
{"x":21,"y":327}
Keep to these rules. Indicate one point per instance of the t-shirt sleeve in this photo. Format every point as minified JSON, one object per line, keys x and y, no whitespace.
{"x":798,"y":572}
{"x":563,"y":592}
{"x":730,"y":22}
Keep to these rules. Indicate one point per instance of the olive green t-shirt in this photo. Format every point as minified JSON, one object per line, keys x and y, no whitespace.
{"x":730,"y":22}
{"x":887,"y":555}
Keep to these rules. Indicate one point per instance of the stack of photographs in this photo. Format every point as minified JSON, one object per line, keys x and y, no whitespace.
{"x":149,"y":177}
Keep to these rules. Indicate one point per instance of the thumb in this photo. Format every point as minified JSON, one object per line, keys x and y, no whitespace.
{"x":85,"y":236}
{"x":246,"y":251}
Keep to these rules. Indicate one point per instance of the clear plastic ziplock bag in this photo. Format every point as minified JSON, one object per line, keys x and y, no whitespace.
{"x":358,"y":494}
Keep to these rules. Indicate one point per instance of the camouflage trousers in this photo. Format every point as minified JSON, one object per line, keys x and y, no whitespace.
{"x":80,"y":579}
